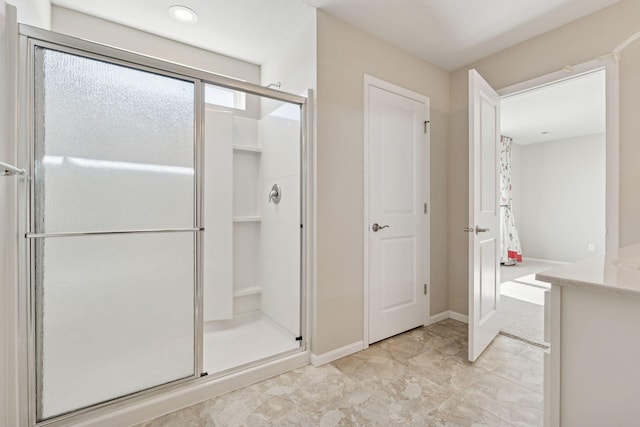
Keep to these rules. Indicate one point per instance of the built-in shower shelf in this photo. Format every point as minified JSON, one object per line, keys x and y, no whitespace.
{"x":247,"y":219}
{"x":247,"y":148}
{"x":251,"y":290}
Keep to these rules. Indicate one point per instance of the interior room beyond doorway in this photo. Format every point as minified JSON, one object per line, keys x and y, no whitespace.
{"x":553,"y":189}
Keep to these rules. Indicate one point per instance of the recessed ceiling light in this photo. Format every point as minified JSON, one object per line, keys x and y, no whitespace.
{"x":183,"y":14}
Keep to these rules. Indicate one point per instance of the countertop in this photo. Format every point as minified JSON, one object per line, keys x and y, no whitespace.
{"x":615,"y":273}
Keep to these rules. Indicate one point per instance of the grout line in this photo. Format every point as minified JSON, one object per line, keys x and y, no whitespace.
{"x":524,"y":340}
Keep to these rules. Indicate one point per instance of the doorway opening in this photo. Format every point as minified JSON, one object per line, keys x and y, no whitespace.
{"x":553,"y":190}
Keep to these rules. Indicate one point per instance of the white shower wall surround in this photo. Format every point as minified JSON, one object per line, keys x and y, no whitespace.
{"x":280,"y":231}
{"x":264,"y":265}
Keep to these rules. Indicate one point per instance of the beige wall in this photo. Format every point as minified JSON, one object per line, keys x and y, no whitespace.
{"x":344,"y":55}
{"x":577,"y":42}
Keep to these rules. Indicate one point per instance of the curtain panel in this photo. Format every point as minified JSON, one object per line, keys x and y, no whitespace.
{"x":510,"y":242}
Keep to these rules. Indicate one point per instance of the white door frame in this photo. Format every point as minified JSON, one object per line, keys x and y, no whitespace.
{"x":390,"y":87}
{"x":612,"y":175}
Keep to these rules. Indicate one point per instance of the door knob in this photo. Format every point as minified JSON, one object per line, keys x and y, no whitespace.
{"x":476,"y":230}
{"x":375,"y":227}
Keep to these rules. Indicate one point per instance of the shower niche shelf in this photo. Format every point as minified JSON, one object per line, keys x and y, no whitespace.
{"x":251,"y":290}
{"x":247,"y":148}
{"x":247,"y":218}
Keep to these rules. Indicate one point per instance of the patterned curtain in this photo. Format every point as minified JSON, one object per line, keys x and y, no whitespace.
{"x":510,"y":243}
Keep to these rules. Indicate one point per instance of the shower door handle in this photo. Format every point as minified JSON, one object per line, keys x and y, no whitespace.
{"x":8,"y":169}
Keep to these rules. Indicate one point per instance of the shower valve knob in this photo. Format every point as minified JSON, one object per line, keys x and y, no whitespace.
{"x":275,"y":194}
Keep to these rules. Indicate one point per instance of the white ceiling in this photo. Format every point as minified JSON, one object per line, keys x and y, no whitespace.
{"x":568,"y":109}
{"x":249,"y":30}
{"x":454,"y":33}
{"x":448,"y":33}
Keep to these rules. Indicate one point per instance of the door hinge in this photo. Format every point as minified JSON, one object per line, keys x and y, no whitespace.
{"x":426,"y":123}
{"x":299,"y":338}
{"x":425,"y":208}
{"x":425,"y":288}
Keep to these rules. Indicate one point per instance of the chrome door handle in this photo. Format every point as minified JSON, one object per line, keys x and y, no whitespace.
{"x":375,"y":227}
{"x":8,"y":169}
{"x":476,"y":230}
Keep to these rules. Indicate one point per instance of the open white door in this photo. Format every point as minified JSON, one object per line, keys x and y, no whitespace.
{"x":484,"y":214}
{"x":397,"y":219}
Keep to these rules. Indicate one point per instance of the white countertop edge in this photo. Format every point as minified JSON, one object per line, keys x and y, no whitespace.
{"x":588,"y":286}
{"x":614,"y":273}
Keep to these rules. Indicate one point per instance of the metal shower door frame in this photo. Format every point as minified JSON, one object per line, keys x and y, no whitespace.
{"x":29,"y":38}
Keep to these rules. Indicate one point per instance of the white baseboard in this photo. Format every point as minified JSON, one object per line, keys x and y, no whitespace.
{"x":338,"y":353}
{"x":459,"y":317}
{"x":448,"y":315}
{"x":438,"y":317}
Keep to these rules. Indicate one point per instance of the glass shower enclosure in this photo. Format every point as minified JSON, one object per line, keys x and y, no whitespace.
{"x":163,"y":225}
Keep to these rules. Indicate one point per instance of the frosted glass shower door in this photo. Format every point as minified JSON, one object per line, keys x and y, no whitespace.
{"x":113,"y":235}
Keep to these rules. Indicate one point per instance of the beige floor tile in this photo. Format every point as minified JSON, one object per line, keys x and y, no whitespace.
{"x":511,"y":402}
{"x":497,"y":354}
{"x":523,"y":371}
{"x":402,"y":347}
{"x":533,"y":353}
{"x":512,"y":345}
{"x":260,"y":404}
{"x":449,"y":372}
{"x":366,"y":363}
{"x":456,"y":412}
{"x":412,"y":391}
{"x":192,"y":416}
{"x":419,"y":378}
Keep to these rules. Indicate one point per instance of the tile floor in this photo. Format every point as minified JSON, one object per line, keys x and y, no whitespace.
{"x":419,"y":378}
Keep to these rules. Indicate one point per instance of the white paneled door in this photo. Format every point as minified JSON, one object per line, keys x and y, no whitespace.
{"x":397,"y":227}
{"x":484,"y":214}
